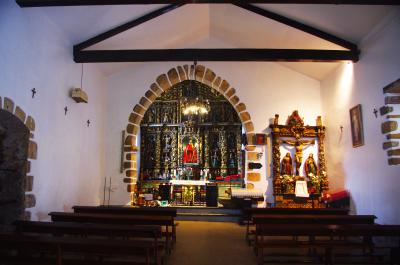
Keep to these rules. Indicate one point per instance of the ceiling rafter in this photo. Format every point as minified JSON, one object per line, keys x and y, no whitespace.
{"x":151,"y":55}
{"x":124,"y":27}
{"x":42,"y":3}
{"x":260,"y":55}
{"x":298,"y":25}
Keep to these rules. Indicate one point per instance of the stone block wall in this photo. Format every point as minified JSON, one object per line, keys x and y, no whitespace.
{"x":390,"y":127}
{"x":17,"y":150}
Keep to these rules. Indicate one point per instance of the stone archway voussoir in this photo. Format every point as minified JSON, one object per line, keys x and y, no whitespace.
{"x":145,"y":102}
{"x":230,"y":93}
{"x":156,"y":89}
{"x":150,"y":95}
{"x":182,"y":73}
{"x":244,"y":117}
{"x":249,"y":127}
{"x":139,"y":109}
{"x":234,"y":100}
{"x":173,"y":76}
{"x":200,"y":70}
{"x":209,"y":77}
{"x":224,"y":87}
{"x":240,"y":107}
{"x":163,"y":82}
{"x":217,"y":83}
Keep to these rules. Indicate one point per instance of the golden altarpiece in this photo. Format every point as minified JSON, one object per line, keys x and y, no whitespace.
{"x":286,"y":171}
{"x":190,"y":149}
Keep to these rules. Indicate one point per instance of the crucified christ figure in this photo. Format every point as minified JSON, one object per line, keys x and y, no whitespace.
{"x":299,"y":145}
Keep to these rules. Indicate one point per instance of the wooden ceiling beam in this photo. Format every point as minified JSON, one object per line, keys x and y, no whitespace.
{"x":41,"y":3}
{"x":300,"y":26}
{"x":255,"y":55}
{"x":108,"y":34}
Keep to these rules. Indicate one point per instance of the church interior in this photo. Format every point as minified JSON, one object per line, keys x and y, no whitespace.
{"x":120,"y":118}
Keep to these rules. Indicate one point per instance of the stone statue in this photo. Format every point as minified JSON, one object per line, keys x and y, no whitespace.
{"x":310,"y":167}
{"x":287,"y":165}
{"x":299,"y":145}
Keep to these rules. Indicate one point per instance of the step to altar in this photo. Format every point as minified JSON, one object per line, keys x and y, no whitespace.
{"x":208,"y":214}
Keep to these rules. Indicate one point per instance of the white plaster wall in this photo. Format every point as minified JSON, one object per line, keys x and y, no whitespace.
{"x":364,"y":171}
{"x":70,"y":165}
{"x":265,"y":88}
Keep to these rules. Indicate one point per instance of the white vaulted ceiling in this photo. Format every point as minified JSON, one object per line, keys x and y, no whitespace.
{"x":219,"y":26}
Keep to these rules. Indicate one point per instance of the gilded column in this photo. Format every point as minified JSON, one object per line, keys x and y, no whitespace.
{"x":206,"y":150}
{"x":276,"y":157}
{"x":158,"y":153}
{"x":321,"y":159}
{"x":224,"y":156}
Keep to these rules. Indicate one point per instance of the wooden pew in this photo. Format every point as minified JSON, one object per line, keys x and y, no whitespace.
{"x":329,"y":242}
{"x":128,"y":210}
{"x":24,"y":249}
{"x":312,"y":219}
{"x":249,"y":212}
{"x":163,"y":221}
{"x":104,"y":231}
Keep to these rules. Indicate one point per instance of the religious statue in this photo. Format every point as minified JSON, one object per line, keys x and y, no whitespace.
{"x":214,"y":159}
{"x":299,"y":145}
{"x":151,"y":115}
{"x":231,"y":160}
{"x":310,"y":167}
{"x":190,"y":153}
{"x":295,"y":120}
{"x":167,"y":142}
{"x":287,"y":165}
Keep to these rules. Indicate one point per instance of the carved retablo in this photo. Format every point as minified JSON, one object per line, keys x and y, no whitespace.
{"x":286,"y":167}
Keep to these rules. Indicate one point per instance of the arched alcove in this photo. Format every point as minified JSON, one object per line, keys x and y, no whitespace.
{"x":163,"y":83}
{"x":16,"y":149}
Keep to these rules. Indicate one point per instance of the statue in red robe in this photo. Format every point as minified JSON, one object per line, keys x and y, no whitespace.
{"x":190,"y":153}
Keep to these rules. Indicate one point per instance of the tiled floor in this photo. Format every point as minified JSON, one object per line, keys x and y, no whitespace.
{"x":203,"y":243}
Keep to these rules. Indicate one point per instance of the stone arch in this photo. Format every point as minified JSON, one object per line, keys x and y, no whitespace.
{"x":29,"y":198}
{"x":163,"y":83}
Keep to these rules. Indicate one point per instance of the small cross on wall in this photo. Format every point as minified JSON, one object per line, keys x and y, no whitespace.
{"x":376,"y":113}
{"x":88,"y":123}
{"x":66,"y":110}
{"x":33,"y":90}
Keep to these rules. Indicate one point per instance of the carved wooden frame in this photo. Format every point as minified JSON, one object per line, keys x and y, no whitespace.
{"x":278,"y":131}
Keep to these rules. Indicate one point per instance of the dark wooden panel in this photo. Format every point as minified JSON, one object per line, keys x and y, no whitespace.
{"x":36,"y":3}
{"x":289,"y":55}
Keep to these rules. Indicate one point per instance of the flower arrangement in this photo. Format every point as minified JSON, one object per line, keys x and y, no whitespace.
{"x":287,"y":183}
{"x":315,"y":182}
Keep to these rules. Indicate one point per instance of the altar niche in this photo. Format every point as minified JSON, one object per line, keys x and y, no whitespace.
{"x":286,"y":170}
{"x":178,"y":147}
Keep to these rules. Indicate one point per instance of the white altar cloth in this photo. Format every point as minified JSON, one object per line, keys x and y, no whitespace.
{"x":189,"y":182}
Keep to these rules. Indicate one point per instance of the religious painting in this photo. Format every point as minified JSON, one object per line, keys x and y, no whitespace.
{"x":260,"y":139}
{"x":190,"y":152}
{"x":357,"y":134}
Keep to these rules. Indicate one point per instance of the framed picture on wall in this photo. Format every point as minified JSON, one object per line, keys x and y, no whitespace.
{"x":357,"y":131}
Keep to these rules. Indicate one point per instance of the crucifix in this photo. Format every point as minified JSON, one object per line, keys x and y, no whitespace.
{"x":33,"y":92}
{"x":88,"y":123}
{"x":66,"y":110}
{"x":376,"y":113}
{"x":299,"y":145}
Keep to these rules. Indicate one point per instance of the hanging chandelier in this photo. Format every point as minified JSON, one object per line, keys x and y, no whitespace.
{"x":194,"y":105}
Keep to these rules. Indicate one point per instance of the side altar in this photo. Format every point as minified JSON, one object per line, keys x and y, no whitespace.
{"x":298,"y":183}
